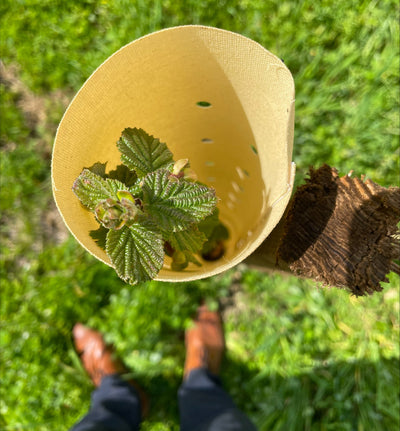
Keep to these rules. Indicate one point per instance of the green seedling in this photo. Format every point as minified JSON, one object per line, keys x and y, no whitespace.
{"x":150,"y":206}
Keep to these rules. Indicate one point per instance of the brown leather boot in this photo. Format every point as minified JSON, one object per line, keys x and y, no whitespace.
{"x":99,"y":359}
{"x":205,"y":342}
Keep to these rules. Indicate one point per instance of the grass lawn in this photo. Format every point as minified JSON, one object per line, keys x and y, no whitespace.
{"x":300,"y":357}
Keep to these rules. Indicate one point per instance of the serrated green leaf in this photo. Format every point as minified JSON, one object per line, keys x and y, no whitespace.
{"x":191,"y":240}
{"x":124,"y":174}
{"x":191,"y":258}
{"x":174,"y":203}
{"x":209,"y":223}
{"x":142,"y":152}
{"x":219,"y":233}
{"x":136,"y":252}
{"x":91,"y":188}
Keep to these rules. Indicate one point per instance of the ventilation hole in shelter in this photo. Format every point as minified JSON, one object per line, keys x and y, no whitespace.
{"x":232,"y":197}
{"x":254,"y":149}
{"x":203,"y":104}
{"x":236,"y":187}
{"x":240,"y":172}
{"x":209,"y":163}
{"x":240,"y":243}
{"x":246,"y":173}
{"x":207,"y":141}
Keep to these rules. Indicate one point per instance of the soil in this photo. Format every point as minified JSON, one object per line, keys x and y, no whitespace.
{"x":39,"y":118}
{"x":216,"y":253}
{"x":342,"y":231}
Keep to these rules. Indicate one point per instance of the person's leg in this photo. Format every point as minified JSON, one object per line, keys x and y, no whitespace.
{"x":203,"y":403}
{"x":115,"y":407}
{"x":117,"y":404}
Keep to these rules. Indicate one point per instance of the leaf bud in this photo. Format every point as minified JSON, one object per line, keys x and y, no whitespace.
{"x":179,"y":166}
{"x":114,"y":214}
{"x":179,"y":261}
{"x":124,"y":194}
{"x":181,"y":169}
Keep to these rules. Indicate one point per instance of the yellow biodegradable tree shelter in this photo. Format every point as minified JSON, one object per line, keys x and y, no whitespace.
{"x":215,"y":97}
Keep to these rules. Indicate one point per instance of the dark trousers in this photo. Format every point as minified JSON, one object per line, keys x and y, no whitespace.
{"x":203,"y":405}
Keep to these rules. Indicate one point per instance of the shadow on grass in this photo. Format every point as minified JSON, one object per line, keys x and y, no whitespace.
{"x":339,"y":396}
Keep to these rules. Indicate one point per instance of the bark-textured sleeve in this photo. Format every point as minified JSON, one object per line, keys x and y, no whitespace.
{"x":342,"y":231}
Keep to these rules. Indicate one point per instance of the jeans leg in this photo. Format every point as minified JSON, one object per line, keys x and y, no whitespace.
{"x":203,"y":404}
{"x":115,"y":407}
